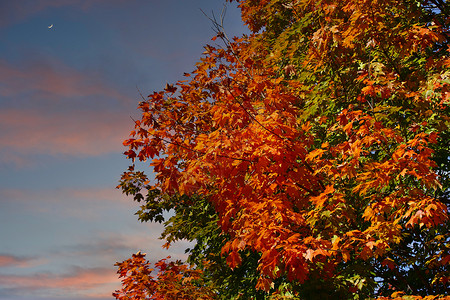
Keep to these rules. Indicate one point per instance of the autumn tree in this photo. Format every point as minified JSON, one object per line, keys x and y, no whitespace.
{"x":308,"y":159}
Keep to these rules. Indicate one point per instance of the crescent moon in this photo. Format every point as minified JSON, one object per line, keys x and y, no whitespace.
{"x":50,"y":26}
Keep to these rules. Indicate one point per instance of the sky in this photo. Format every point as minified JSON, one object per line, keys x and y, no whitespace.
{"x":70,"y":71}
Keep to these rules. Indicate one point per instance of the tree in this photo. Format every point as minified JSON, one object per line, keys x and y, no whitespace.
{"x":310,"y":158}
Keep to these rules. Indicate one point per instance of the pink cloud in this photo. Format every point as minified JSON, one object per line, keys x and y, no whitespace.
{"x":7,"y":260}
{"x":34,"y":129}
{"x":53,"y":80}
{"x":79,"y":133}
{"x":94,"y":282}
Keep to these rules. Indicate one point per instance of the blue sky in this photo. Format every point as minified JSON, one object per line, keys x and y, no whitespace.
{"x":67,"y":95}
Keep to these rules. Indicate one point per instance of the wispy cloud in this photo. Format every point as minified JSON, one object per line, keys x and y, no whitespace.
{"x":99,"y":210}
{"x":54,"y":196}
{"x":79,"y":134}
{"x":96,"y":208}
{"x":52,"y":79}
{"x":8,"y":260}
{"x":86,"y":282}
{"x":52,"y":109}
{"x":120,"y":246}
{"x":88,"y":204}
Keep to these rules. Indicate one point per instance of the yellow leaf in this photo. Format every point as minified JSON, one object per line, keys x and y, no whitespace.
{"x":315,"y":153}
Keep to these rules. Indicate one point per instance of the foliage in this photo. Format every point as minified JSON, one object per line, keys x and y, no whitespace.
{"x":309,"y":159}
{"x":174,"y":281}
